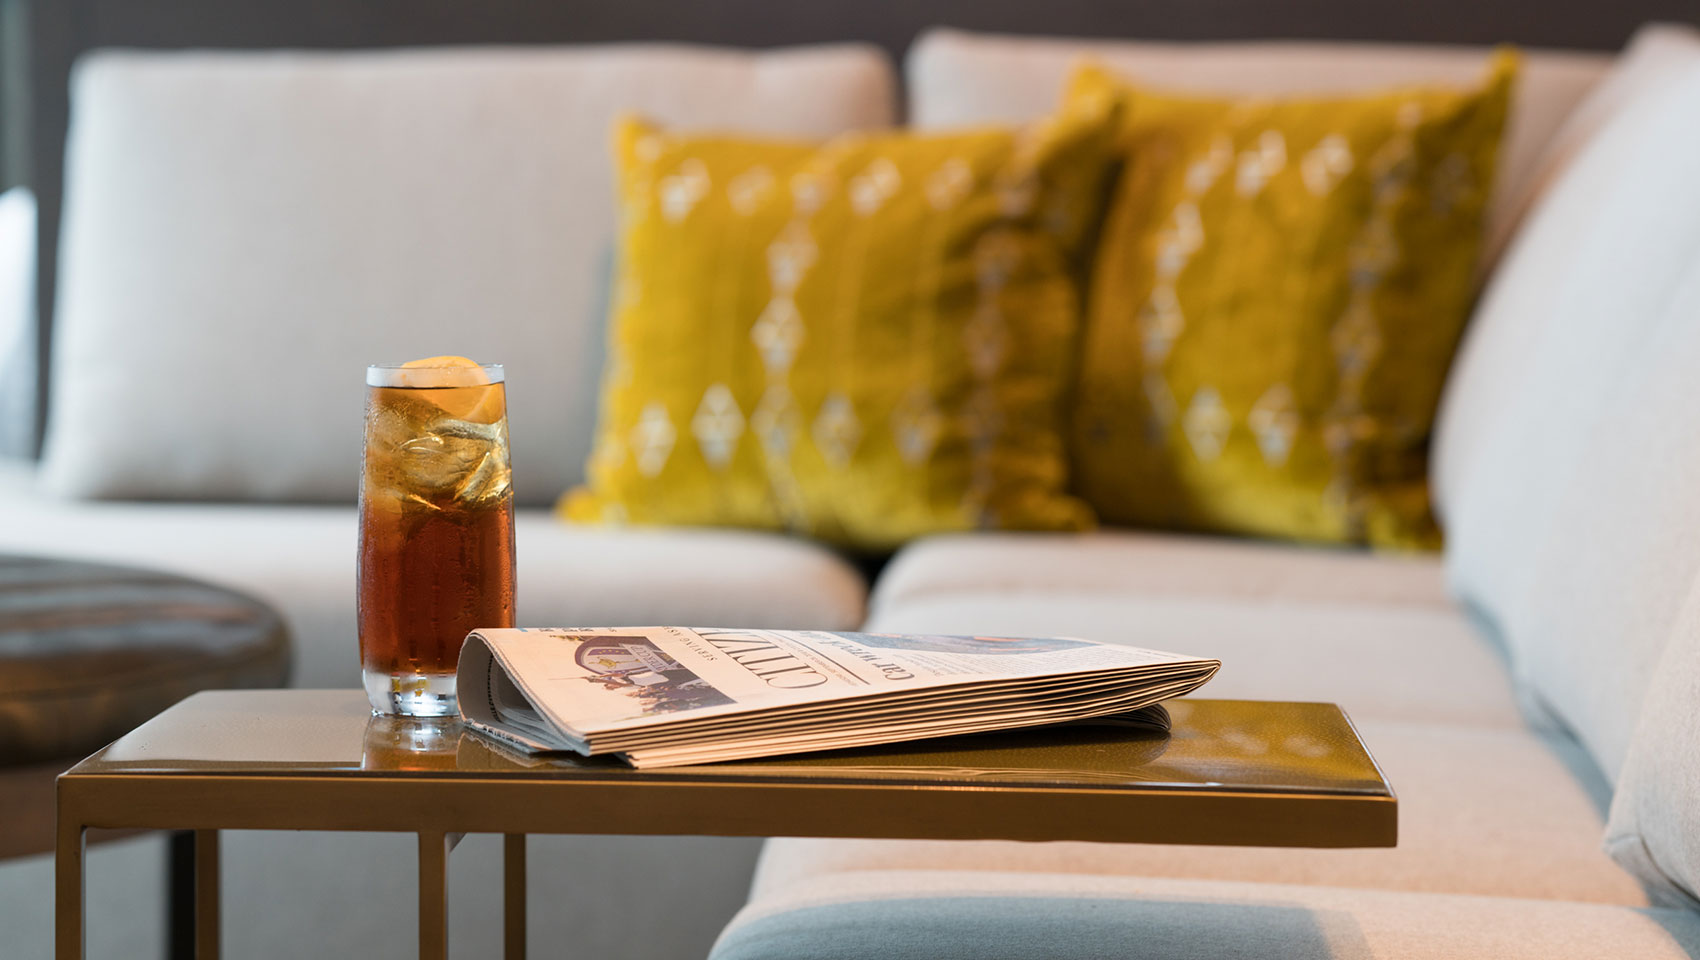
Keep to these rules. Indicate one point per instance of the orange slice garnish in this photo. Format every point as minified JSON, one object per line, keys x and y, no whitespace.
{"x":459,"y":386}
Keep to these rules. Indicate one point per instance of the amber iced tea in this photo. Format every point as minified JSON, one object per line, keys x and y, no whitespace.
{"x":436,"y":553}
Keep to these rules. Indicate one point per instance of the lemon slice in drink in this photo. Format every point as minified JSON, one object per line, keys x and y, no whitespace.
{"x":445,"y":371}
{"x":459,"y":386}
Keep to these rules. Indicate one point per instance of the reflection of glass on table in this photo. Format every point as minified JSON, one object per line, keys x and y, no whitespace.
{"x":410,"y":743}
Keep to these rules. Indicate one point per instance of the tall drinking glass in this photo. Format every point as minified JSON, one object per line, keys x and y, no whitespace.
{"x":436,"y":528}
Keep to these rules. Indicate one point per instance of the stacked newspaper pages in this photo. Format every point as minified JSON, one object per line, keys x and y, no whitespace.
{"x":662,"y":696}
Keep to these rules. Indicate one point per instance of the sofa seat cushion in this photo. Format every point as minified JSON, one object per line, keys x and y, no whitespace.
{"x":1141,"y":564}
{"x":1490,"y":812}
{"x":1374,"y":634}
{"x":301,"y":560}
{"x":942,"y":915}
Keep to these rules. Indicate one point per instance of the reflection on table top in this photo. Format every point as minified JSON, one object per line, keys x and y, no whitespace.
{"x":1216,"y":745}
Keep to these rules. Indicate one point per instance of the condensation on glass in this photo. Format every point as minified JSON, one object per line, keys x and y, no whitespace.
{"x":436,"y":555}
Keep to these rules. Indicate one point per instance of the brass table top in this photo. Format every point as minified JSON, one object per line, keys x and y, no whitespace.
{"x":1231,"y":772}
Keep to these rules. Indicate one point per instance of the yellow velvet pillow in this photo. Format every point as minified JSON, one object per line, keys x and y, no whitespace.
{"x":863,"y":341}
{"x":1276,"y":298}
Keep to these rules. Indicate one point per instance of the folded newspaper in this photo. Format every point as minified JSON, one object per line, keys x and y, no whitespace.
{"x":663,"y":696}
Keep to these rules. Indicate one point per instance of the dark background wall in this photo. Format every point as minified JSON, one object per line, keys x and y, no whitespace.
{"x":40,"y":39}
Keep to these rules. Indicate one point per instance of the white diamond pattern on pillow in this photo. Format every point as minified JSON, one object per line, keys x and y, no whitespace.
{"x":245,"y":231}
{"x":718,"y":424}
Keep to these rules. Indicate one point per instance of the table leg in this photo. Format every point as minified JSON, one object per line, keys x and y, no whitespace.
{"x":433,"y":896}
{"x":68,"y":890}
{"x":513,"y":896}
{"x":180,"y":895}
{"x":206,"y":895}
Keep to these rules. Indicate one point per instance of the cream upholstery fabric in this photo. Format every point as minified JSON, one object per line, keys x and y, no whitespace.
{"x":17,"y":323}
{"x":1370,"y":633}
{"x":1494,"y":812}
{"x":942,"y":915}
{"x":1654,"y":56}
{"x":1654,"y":830}
{"x":301,"y":560}
{"x":1559,"y":331}
{"x":1398,"y":665}
{"x":1499,"y":336}
{"x":1143,"y":564}
{"x":1610,"y":572}
{"x":960,"y":78}
{"x":245,"y":231}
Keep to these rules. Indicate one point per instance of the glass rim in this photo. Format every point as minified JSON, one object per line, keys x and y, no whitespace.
{"x":396,"y":375}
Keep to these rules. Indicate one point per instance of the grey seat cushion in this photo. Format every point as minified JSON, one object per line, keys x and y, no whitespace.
{"x":939,"y":915}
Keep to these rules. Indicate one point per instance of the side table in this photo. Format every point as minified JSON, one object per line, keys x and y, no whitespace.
{"x":1231,"y":773}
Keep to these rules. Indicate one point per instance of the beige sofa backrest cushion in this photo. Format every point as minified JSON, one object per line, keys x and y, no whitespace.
{"x":245,"y":231}
{"x":1608,"y":573}
{"x":958,"y":78}
{"x":1566,"y":435}
{"x":1498,"y":336}
{"x":1654,"y":827}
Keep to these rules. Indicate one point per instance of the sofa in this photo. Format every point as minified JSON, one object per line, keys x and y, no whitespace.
{"x":242,"y":230}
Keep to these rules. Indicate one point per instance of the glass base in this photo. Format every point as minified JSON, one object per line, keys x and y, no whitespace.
{"x":411,"y":694}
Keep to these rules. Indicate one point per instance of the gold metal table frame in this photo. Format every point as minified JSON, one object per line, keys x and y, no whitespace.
{"x":1245,"y":773}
